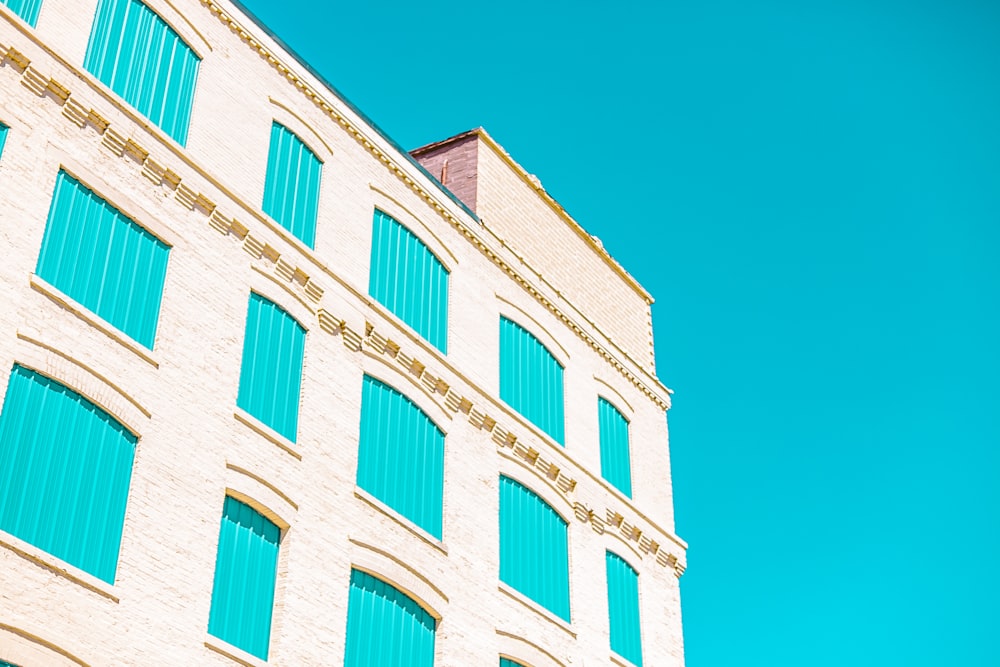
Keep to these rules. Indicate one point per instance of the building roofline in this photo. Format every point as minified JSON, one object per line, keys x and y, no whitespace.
{"x":532,"y":181}
{"x":350,"y":105}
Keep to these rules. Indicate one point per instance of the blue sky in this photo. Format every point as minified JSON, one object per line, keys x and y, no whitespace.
{"x":811,"y":191}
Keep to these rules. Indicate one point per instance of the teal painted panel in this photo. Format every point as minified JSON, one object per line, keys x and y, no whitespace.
{"x":615,"y":463}
{"x":140,"y":57}
{"x":531,"y":379}
{"x":401,"y":455}
{"x":246,"y":566}
{"x":409,"y":280}
{"x":27,"y":10}
{"x":3,"y":137}
{"x":291,"y":185}
{"x":623,"y":609}
{"x":65,"y":470}
{"x":103,"y":260}
{"x":507,"y":662}
{"x":271,"y":374}
{"x":534,"y":553}
{"x":385,"y":627}
{"x":7,"y":664}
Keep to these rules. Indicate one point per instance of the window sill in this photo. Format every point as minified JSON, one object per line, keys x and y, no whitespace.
{"x":94,"y":320}
{"x":54,"y":564}
{"x":400,"y":519}
{"x":514,"y":594}
{"x":262,"y":429}
{"x":620,"y":661}
{"x":237,"y":654}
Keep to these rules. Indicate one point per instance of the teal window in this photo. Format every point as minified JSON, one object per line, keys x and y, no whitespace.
{"x":27,"y":10}
{"x":291,"y":186}
{"x":385,"y":627}
{"x":409,"y":280}
{"x":103,"y":260}
{"x":271,"y":375}
{"x":401,"y":455}
{"x":507,"y":662}
{"x":615,"y":466}
{"x":534,"y":553}
{"x":623,"y":609}
{"x":531,"y":380}
{"x":65,"y":469}
{"x":3,"y":136}
{"x":246,"y":566}
{"x":136,"y":54}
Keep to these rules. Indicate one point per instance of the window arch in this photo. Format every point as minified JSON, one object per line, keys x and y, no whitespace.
{"x":534,"y":548}
{"x":65,"y":471}
{"x":385,"y":626}
{"x":531,"y":379}
{"x":291,"y":184}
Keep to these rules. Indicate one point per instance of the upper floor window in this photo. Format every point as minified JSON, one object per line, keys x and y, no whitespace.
{"x":401,"y":455}
{"x":623,"y":609}
{"x":615,"y":465}
{"x":246,"y":566}
{"x":291,"y":185}
{"x":65,"y":470}
{"x":271,"y":374}
{"x":409,"y":280}
{"x":534,"y":550}
{"x":385,"y":626}
{"x":531,"y":379}
{"x":103,"y":260}
{"x":26,"y":9}
{"x":136,"y":54}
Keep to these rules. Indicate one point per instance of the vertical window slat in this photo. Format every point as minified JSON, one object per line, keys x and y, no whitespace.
{"x":26,"y":9}
{"x":141,"y":58}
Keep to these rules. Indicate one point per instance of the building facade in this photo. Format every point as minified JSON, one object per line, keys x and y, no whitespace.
{"x":276,"y":391}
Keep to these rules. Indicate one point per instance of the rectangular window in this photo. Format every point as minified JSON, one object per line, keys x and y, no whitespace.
{"x":531,"y":379}
{"x":246,"y":566}
{"x":534,"y":549}
{"x":615,"y":464}
{"x":103,"y":260}
{"x":291,"y":185}
{"x":140,"y":57}
{"x":409,"y":280}
{"x":623,"y":609}
{"x":65,"y":470}
{"x":271,"y":375}
{"x":401,"y":455}
{"x":385,"y":626}
{"x":26,"y":9}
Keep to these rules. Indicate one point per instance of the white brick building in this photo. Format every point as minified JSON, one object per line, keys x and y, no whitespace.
{"x":150,"y":361}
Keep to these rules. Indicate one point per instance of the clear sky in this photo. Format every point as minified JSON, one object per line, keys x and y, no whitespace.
{"x":811,"y":191}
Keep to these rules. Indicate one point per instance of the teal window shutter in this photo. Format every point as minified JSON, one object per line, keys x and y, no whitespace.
{"x":531,"y":379}
{"x":291,"y":185}
{"x":246,"y":566}
{"x":65,"y":469}
{"x":103,"y":260}
{"x":271,"y":374}
{"x":385,"y":627}
{"x":401,"y":455}
{"x":615,"y":465}
{"x":409,"y":280}
{"x":623,"y":609}
{"x":507,"y":662}
{"x":3,"y":137}
{"x":140,"y":57}
{"x":534,"y":554}
{"x":27,"y":10}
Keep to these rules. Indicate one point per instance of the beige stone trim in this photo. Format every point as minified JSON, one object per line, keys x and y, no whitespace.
{"x":524,"y":651}
{"x":519,"y":316}
{"x":268,"y":433}
{"x":254,"y":490}
{"x":613,"y":396}
{"x":186,"y":32}
{"x":401,"y":520}
{"x":233,"y":653}
{"x":541,"y":611}
{"x":389,"y":204}
{"x":392,"y":570}
{"x":392,"y":374}
{"x":24,"y":648}
{"x":302,"y":124}
{"x":68,"y":303}
{"x":57,"y":566}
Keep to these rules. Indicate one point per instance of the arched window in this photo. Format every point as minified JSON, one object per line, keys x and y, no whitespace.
{"x":615,"y":463}
{"x":291,"y":185}
{"x":623,"y":609}
{"x":386,"y":627}
{"x":531,"y":379}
